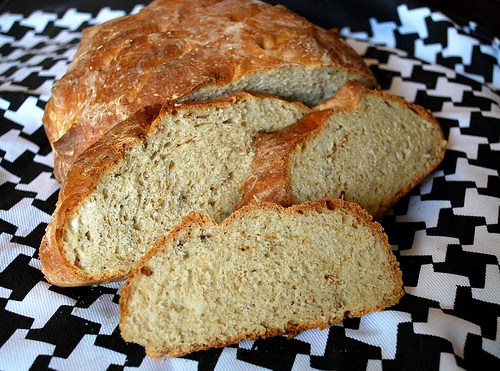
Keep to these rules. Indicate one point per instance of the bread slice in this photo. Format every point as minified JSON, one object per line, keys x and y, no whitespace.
{"x":362,"y":145}
{"x":196,"y":50}
{"x":265,"y":271}
{"x":140,"y":179}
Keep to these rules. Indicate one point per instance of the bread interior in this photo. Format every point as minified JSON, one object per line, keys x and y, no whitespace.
{"x":264,"y":274}
{"x":195,"y":160}
{"x":367,"y":155}
{"x":309,"y":85}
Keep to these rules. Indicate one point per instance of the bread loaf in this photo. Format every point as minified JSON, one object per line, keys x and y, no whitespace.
{"x":191,"y":49}
{"x":141,"y":178}
{"x":265,"y":271}
{"x":362,"y":145}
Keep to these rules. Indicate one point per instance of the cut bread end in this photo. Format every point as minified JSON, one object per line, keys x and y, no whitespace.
{"x":362,"y":145}
{"x":265,"y":271}
{"x":140,"y":179}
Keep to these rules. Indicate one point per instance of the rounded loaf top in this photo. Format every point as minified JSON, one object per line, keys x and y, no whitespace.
{"x":179,"y":49}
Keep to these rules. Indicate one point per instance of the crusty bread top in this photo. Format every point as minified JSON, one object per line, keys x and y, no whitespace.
{"x":403,"y":141}
{"x":194,"y":49}
{"x":146,"y":173}
{"x":264,"y":271}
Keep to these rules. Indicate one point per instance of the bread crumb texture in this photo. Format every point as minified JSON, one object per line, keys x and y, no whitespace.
{"x":263,"y":272}
{"x":368,"y":155}
{"x":194,"y":159}
{"x":361,"y":145}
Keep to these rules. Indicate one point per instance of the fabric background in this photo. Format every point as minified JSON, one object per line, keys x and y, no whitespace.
{"x":445,"y":233}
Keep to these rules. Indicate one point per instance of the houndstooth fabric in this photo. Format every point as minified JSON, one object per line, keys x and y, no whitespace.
{"x":445,"y":233}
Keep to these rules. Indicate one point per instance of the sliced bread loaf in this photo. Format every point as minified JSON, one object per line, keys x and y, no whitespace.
{"x":140,"y":179}
{"x":191,"y":49}
{"x":265,"y":271}
{"x":362,"y":145}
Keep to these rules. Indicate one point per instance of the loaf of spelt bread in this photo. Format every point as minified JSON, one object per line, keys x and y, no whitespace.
{"x":191,"y":49}
{"x":265,"y":271}
{"x":141,"y":178}
{"x":362,"y":145}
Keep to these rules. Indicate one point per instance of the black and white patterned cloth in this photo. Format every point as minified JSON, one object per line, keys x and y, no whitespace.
{"x":445,"y":233}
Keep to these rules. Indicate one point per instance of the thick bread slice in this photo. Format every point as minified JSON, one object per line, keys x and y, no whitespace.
{"x":362,"y":145}
{"x":191,"y":49}
{"x":140,"y":179}
{"x":265,"y":271}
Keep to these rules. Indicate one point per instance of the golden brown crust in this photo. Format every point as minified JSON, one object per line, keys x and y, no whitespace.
{"x":291,"y":330}
{"x":165,"y":52}
{"x":195,"y":221}
{"x":271,"y":180}
{"x":348,"y":97}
